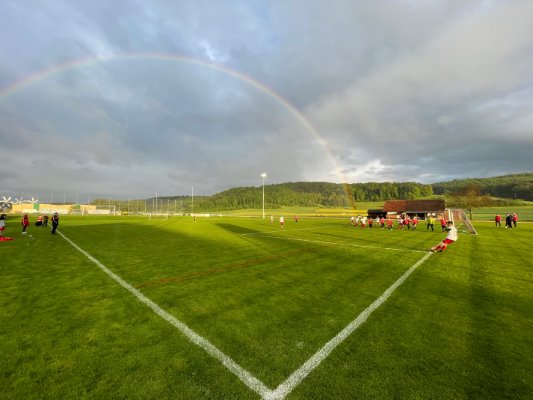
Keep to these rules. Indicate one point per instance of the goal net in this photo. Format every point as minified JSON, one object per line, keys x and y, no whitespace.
{"x":461,"y":221}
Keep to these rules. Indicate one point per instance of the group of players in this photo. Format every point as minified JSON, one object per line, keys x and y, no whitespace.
{"x":404,"y":221}
{"x":42,"y":221}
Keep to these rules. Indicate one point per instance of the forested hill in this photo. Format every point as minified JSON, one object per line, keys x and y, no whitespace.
{"x":313,"y":194}
{"x":516,"y":186}
{"x":519,"y":186}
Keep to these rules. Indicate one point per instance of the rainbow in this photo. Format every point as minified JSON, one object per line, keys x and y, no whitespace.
{"x":36,"y":77}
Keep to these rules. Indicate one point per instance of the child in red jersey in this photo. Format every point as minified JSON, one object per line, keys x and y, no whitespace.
{"x":407,"y":222}
{"x":443,"y":224}
{"x":25,"y":223}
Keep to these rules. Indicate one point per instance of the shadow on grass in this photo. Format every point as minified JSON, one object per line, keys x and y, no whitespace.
{"x":241,"y":230}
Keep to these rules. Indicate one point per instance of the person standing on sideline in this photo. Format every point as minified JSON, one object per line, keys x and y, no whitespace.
{"x":515,"y":219}
{"x":2,"y":224}
{"x":282,"y":222}
{"x":55,"y":223}
{"x":45,"y":221}
{"x":450,"y":238}
{"x":508,"y":221}
{"x":498,"y":220}
{"x":25,"y":223}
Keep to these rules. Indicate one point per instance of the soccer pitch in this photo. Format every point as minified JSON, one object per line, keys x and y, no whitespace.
{"x":231,"y":308}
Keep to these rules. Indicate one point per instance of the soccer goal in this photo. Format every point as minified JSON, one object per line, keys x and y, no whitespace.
{"x":461,"y":221}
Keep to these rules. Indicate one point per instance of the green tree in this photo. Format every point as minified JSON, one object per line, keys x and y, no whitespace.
{"x":470,"y":197}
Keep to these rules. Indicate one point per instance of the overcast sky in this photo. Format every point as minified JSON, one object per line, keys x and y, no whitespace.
{"x":159,"y":96}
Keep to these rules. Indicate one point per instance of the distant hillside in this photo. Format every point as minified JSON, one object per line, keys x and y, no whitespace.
{"x":312,"y":194}
{"x":516,"y":186}
{"x":325,"y":194}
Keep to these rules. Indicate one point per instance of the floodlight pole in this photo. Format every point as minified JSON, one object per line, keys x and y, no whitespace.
{"x":263,"y":175}
{"x":156,"y":203}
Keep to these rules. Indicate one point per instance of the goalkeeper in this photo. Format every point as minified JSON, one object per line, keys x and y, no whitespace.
{"x":450,"y":238}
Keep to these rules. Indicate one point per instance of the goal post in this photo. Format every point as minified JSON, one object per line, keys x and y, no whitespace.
{"x":460,"y":220}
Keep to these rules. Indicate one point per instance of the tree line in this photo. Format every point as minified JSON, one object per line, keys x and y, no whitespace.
{"x":326,"y":194}
{"x":308,"y":194}
{"x":467,"y":193}
{"x":515,"y":186}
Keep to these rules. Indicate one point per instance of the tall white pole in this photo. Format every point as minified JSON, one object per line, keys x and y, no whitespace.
{"x":156,"y":203}
{"x":263,"y":175}
{"x":192,"y":203}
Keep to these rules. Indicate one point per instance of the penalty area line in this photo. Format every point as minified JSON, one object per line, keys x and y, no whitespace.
{"x":278,"y":231}
{"x":301,"y":373}
{"x":247,"y":378}
{"x":341,"y":244}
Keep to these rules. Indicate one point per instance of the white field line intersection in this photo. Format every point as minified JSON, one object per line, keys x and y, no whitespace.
{"x":285,"y":388}
{"x":301,"y":373}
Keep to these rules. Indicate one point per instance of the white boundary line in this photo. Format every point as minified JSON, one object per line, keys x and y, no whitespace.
{"x":299,"y":375}
{"x":247,"y":378}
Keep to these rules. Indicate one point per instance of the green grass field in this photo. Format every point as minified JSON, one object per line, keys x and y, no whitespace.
{"x":459,"y":326}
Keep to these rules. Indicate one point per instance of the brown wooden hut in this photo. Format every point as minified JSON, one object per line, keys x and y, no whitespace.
{"x":420,"y":208}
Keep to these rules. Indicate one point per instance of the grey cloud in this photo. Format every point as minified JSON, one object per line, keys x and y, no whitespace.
{"x":398,"y":90}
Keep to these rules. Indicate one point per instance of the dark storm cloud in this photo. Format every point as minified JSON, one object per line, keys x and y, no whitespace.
{"x":399,"y":90}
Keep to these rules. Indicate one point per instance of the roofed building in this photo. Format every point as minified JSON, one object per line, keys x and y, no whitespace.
{"x":419,"y":208}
